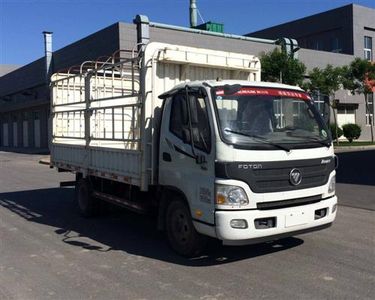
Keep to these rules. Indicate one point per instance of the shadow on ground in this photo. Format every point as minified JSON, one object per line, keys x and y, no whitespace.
{"x":120,"y":230}
{"x":356,"y":167}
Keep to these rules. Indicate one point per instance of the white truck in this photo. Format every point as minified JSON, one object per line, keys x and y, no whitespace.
{"x":193,"y":136}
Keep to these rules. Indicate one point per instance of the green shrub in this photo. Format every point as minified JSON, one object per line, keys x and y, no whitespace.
{"x":333,"y":131}
{"x":351,"y":131}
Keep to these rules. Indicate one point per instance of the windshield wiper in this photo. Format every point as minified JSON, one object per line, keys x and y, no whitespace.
{"x":327,"y":144}
{"x":312,"y":139}
{"x":259,"y":138}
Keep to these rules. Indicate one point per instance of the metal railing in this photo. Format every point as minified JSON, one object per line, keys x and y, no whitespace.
{"x":98,"y":101}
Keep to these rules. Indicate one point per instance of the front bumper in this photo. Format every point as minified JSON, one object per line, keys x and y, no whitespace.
{"x":289,"y":221}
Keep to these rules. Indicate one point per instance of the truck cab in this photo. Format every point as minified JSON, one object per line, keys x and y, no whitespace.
{"x":245,"y":162}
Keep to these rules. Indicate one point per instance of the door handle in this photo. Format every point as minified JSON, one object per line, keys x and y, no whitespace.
{"x":167,"y":157}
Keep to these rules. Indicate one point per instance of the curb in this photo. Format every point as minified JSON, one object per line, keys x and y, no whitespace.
{"x":342,"y":149}
{"x":45,"y":161}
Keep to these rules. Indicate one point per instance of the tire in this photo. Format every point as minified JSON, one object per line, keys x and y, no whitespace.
{"x":181,"y":234}
{"x":87,"y":204}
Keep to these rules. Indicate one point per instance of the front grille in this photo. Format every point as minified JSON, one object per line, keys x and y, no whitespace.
{"x":275,"y":180}
{"x":275,"y":176}
{"x":288,"y":203}
{"x":285,"y":171}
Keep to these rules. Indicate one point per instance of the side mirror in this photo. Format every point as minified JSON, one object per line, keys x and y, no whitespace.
{"x":186,"y":138}
{"x":193,"y":110}
{"x":195,"y":132}
{"x":310,"y":113}
{"x":326,"y":113}
{"x":184,"y":111}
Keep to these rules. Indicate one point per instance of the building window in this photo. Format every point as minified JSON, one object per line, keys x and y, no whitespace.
{"x":317,"y":45}
{"x":370,"y":109}
{"x":335,"y":45}
{"x":368,"y":48}
{"x":36,"y":115}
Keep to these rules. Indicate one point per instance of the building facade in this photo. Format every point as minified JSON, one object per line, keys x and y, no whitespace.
{"x":335,"y":37}
{"x":5,"y":69}
{"x":25,"y":95}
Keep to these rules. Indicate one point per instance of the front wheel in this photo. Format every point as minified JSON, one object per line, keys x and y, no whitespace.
{"x":182,"y":236}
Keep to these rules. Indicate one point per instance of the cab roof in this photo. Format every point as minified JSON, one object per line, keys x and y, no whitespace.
{"x":217,"y":83}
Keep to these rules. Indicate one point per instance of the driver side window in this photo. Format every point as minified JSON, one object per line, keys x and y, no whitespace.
{"x":179,"y":121}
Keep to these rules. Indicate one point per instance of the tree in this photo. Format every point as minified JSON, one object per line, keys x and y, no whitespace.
{"x":351,"y":131}
{"x":278,"y":66}
{"x":360,"y":79}
{"x":336,"y":131}
{"x":327,"y":81}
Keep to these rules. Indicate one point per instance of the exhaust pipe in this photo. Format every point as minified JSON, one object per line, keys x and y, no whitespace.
{"x":193,"y":13}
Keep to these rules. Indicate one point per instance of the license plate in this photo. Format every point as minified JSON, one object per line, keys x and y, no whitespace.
{"x":295,"y":218}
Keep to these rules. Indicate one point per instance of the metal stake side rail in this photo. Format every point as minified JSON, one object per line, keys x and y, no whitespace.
{"x":95,"y":111}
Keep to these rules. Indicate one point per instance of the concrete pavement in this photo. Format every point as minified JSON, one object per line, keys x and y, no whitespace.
{"x":47,"y":251}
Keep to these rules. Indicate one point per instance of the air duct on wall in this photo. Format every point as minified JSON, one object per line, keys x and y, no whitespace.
{"x":48,"y":54}
{"x":193,"y":13}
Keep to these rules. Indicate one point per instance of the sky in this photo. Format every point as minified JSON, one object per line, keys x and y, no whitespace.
{"x":23,"y":21}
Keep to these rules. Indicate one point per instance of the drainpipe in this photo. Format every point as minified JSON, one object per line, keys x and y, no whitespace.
{"x":193,"y":13}
{"x":48,"y":54}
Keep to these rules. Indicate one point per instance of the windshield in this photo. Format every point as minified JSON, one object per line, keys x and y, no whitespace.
{"x":264,"y":117}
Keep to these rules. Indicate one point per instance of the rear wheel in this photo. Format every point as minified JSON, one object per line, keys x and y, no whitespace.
{"x":182,"y":236}
{"x":87,"y":204}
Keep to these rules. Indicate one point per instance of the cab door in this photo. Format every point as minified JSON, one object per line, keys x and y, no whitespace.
{"x":186,"y":156}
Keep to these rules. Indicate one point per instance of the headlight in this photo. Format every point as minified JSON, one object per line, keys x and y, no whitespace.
{"x":332,"y":185}
{"x":230,"y":195}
